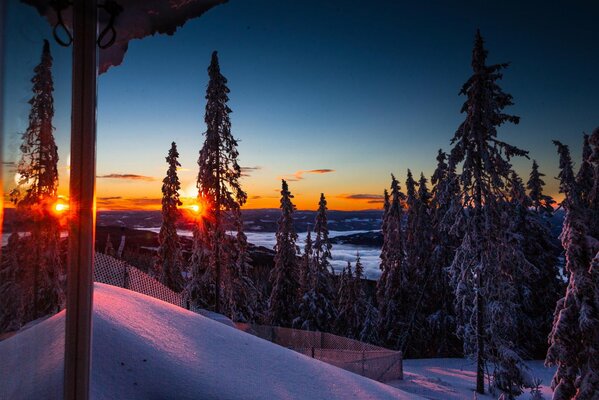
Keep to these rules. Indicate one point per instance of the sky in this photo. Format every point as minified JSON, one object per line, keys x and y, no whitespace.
{"x":333,"y":96}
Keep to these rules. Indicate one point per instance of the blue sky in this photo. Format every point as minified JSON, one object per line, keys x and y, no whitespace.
{"x":361,"y":88}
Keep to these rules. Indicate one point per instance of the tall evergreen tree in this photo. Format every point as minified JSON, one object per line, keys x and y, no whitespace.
{"x":219,"y":193}
{"x":168,"y":266}
{"x":322,"y":243}
{"x":446,"y":208}
{"x":39,"y":255}
{"x":487,"y":264}
{"x":284,"y":277}
{"x":391,"y":297}
{"x":418,"y":339}
{"x":317,"y":310}
{"x":307,"y":263}
{"x":345,"y":322}
{"x":380,"y":287}
{"x":365,"y":328}
{"x":243,"y":298}
{"x":540,"y":285}
{"x":574,"y":339}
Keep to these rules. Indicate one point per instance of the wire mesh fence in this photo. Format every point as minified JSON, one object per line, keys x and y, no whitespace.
{"x":361,"y":358}
{"x":115,"y":272}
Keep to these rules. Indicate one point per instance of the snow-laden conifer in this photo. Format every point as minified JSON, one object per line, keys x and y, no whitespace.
{"x":574,"y":338}
{"x":168,"y":266}
{"x":39,"y":257}
{"x":220,"y":196}
{"x":445,"y":207}
{"x":488,"y":263}
{"x":282,"y":304}
{"x":389,"y":287}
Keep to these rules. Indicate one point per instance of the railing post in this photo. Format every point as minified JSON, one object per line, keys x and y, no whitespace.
{"x":82,"y":202}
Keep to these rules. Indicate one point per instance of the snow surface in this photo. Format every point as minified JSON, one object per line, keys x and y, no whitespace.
{"x":146,"y":349}
{"x":455,"y":379}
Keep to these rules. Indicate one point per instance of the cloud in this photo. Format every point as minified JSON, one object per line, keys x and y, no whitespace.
{"x":247,"y":171}
{"x":372,"y":198}
{"x":121,"y":203}
{"x":108,"y":198}
{"x":299,"y":175}
{"x":134,"y":177}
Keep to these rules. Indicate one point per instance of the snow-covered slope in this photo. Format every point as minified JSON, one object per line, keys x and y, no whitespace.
{"x":147,"y":349}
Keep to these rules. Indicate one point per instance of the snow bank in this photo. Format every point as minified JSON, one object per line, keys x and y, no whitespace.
{"x":144,"y":348}
{"x":455,"y":379}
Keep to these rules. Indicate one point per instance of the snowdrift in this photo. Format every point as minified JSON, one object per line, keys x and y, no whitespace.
{"x":146,"y":349}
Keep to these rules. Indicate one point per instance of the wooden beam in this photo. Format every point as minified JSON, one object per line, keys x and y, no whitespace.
{"x":82,"y":202}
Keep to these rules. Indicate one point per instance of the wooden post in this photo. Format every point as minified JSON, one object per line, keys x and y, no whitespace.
{"x":2,"y":36}
{"x":82,"y":202}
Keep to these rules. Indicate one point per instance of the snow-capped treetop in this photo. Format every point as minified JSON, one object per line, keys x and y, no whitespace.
{"x":541,"y":202}
{"x":322,"y":243}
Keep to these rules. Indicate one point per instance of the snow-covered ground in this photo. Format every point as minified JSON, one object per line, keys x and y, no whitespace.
{"x":146,"y":349}
{"x":455,"y":379}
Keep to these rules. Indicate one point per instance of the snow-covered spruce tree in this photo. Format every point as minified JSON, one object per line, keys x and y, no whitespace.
{"x":446,"y":206}
{"x":390,"y":294}
{"x":39,"y":258}
{"x":593,"y":197}
{"x":380,"y":288}
{"x":317,"y":310}
{"x":419,"y":339}
{"x":345,"y":322}
{"x":542,"y":286}
{"x":307,"y":262}
{"x":243,"y":298}
{"x":365,"y":328}
{"x":219,"y":193}
{"x":574,"y":339}
{"x":168,"y":266}
{"x":487,"y":264}
{"x":584,"y":177}
{"x":282,"y":304}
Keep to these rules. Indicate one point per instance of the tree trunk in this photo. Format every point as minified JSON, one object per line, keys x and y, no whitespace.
{"x":480,"y":344}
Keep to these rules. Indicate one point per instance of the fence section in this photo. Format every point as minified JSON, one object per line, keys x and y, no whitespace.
{"x":361,"y":358}
{"x":115,"y":272}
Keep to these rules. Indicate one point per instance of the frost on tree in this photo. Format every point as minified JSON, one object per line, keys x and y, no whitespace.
{"x":34,"y":264}
{"x":488,"y":263}
{"x":215,"y":262}
{"x":284,"y":276}
{"x":168,"y":267}
{"x":574,"y":339}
